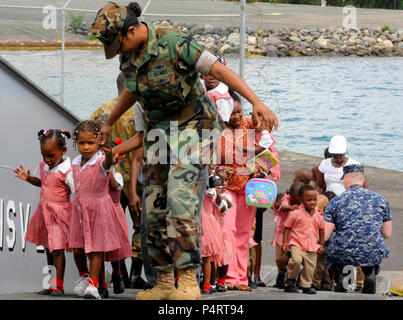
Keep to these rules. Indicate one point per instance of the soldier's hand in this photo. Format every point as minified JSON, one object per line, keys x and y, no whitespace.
{"x":263,"y":118}
{"x":115,"y":153}
{"x":106,"y":131}
{"x":135,"y":203}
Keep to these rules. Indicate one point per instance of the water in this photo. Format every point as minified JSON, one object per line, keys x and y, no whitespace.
{"x":314,"y":97}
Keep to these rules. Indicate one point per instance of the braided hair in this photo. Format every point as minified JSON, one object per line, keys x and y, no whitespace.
{"x":86,"y":125}
{"x":50,"y":134}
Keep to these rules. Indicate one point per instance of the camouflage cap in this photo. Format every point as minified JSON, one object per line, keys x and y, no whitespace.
{"x":107,"y":25}
{"x":352,"y":168}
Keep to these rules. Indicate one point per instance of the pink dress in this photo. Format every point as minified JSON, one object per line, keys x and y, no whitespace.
{"x":125,"y":251}
{"x":49,"y":225}
{"x":211,"y":233}
{"x":225,"y":256}
{"x":95,"y":224}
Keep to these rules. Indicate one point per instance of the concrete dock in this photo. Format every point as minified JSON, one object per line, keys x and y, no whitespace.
{"x":386,"y":182}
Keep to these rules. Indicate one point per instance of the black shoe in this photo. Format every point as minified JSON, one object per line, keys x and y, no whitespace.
{"x":252,"y":284}
{"x":45,"y":292}
{"x":280,"y":281}
{"x":260,"y":283}
{"x":221,"y":287}
{"x":118,"y":285}
{"x":213,"y":289}
{"x":58,"y":292}
{"x":291,"y":289}
{"x":290,"y":286}
{"x":339,"y":288}
{"x":369,"y":281}
{"x":316,"y":288}
{"x":138,"y":283}
{"x":104,"y":293}
{"x":309,"y":290}
{"x":358,"y":289}
{"x":338,"y":278}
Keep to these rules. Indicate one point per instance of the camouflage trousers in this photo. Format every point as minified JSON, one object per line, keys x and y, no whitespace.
{"x":171,"y":215}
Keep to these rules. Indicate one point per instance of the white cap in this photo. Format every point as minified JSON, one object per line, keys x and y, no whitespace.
{"x":338,"y":145}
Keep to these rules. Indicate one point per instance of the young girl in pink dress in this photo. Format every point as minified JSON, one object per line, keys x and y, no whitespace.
{"x":49,"y":225}
{"x":95,"y":228}
{"x":225,"y":254}
{"x":214,"y":205}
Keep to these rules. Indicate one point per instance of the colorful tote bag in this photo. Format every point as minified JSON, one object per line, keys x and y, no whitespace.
{"x":260,"y":193}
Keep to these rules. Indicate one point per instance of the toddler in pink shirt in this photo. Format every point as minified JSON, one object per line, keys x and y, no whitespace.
{"x":304,"y":239}
{"x":289,"y":202}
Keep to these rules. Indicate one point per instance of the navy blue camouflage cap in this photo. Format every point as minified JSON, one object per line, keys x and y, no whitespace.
{"x":352,"y":168}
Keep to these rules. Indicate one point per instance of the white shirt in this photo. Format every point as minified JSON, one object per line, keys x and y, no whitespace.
{"x":212,"y":192}
{"x":119,"y":178}
{"x":224,"y":106}
{"x":265,"y":141}
{"x":63,"y":167}
{"x":91,"y":162}
{"x":333,"y":175}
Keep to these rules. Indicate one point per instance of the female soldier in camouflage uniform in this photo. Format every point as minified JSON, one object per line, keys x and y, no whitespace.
{"x":161,"y":68}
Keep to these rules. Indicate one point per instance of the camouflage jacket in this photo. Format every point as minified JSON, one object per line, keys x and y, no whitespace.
{"x":165,"y":78}
{"x":358,"y":215}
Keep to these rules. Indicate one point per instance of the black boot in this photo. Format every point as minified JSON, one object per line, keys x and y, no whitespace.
{"x":136,"y":281}
{"x":251,"y":283}
{"x":279,"y":281}
{"x":125,"y":274}
{"x":290,"y":286}
{"x":338,"y":278}
{"x":369,"y":281}
{"x":118,"y":284}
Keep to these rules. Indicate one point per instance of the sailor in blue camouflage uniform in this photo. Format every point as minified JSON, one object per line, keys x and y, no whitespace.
{"x":357,"y":222}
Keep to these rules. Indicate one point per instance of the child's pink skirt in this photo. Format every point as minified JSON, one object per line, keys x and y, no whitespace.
{"x":125,"y":251}
{"x":49,"y":225}
{"x":211,"y":238}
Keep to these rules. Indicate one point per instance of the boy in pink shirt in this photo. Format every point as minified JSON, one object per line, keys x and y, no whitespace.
{"x":289,"y":202}
{"x":304,"y":239}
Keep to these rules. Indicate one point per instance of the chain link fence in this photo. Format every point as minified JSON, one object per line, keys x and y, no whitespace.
{"x":79,"y":76}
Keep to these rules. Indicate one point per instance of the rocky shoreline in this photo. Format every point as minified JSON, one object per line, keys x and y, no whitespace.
{"x":287,"y":42}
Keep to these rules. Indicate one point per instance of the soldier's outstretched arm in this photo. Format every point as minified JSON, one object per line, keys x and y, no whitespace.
{"x":126,"y":100}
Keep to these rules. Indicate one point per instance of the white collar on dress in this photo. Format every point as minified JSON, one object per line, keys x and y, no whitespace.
{"x":91,"y":162}
{"x":62,"y":166}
